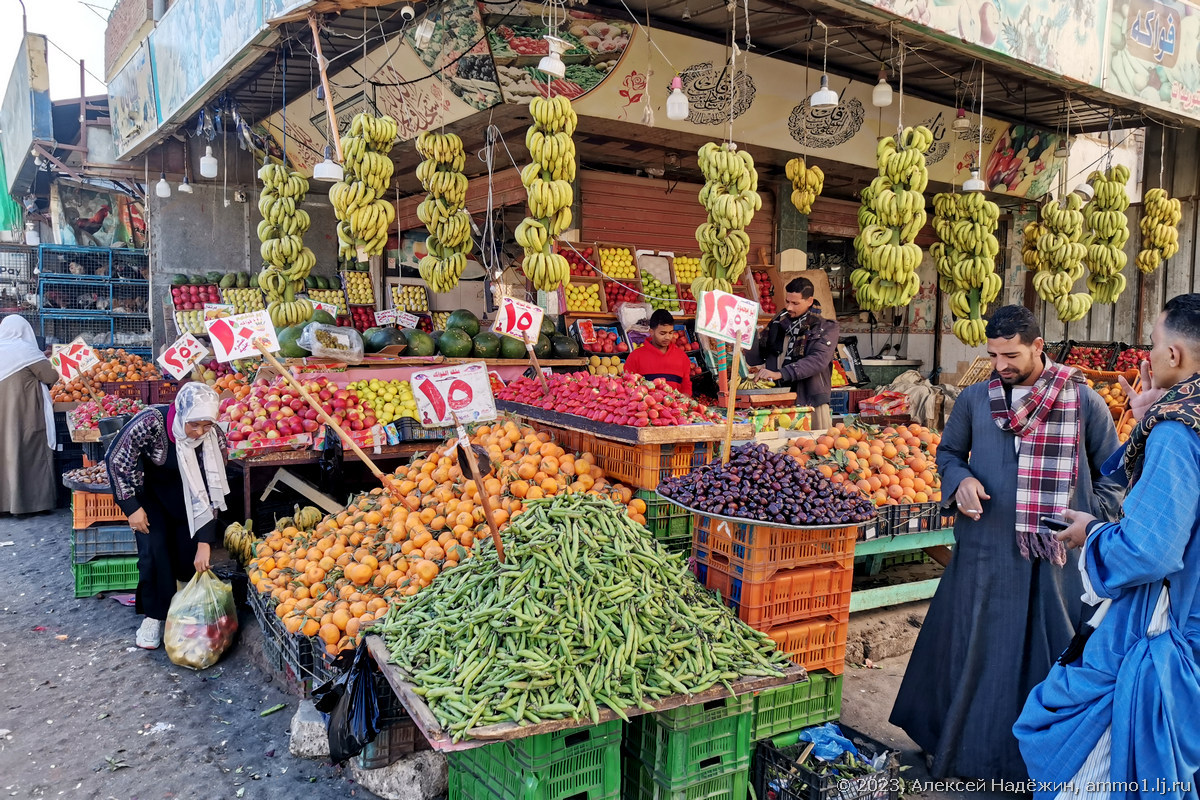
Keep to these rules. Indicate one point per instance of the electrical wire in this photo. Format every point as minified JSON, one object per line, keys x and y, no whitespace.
{"x":95,"y":77}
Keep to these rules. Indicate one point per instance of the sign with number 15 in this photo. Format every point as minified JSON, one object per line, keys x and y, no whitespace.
{"x":462,"y":392}
{"x":179,"y":358}
{"x":518,"y":319}
{"x":727,"y":317}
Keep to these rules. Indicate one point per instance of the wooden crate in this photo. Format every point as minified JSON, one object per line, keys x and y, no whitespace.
{"x":979,"y":370}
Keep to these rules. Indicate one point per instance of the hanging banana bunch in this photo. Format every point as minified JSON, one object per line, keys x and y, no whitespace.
{"x":891,"y":216}
{"x":444,"y":211}
{"x":1105,"y":216}
{"x":286,"y":261}
{"x":1160,"y":229}
{"x":1061,"y":249}
{"x":547,"y":182}
{"x":807,"y":183}
{"x":360,"y":201}
{"x":966,"y":259}
{"x":730,"y":195}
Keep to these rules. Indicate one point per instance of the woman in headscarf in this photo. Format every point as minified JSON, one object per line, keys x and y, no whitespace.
{"x":27,"y":444}
{"x":167,"y":471}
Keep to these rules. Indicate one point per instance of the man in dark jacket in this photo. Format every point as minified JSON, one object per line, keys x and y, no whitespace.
{"x":797,"y":349}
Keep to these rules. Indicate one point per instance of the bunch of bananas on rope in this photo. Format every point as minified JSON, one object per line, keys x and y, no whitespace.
{"x":966,"y":259}
{"x":1060,"y":254}
{"x":1160,"y":229}
{"x":547,"y":181}
{"x":286,"y":261}
{"x":444,"y":210}
{"x":807,"y":183}
{"x":1105,"y":217}
{"x":730,"y":195}
{"x":892,"y":213}
{"x":360,"y":200}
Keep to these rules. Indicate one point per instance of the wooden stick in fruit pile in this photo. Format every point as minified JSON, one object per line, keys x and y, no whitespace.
{"x":464,"y":446}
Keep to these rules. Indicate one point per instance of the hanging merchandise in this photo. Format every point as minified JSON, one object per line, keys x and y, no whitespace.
{"x":1105,"y":216}
{"x":730,"y":195}
{"x":1160,"y":229}
{"x":1060,"y":254}
{"x":286,"y":261}
{"x":891,"y":216}
{"x":364,"y":215}
{"x":807,"y":183}
{"x":965,"y":259}
{"x":444,"y":210}
{"x":548,"y":181}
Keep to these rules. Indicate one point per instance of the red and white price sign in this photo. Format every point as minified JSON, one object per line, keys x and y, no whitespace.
{"x":727,"y":317}
{"x":517,"y":318}
{"x":234,"y":337}
{"x":386,"y":316}
{"x":179,"y":358}
{"x":405,"y":319}
{"x":462,"y":391}
{"x":69,"y":360}
{"x":218,"y":310}
{"x":329,"y":308}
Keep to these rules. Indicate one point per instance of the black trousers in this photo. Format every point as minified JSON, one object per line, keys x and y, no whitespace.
{"x":165,"y":555}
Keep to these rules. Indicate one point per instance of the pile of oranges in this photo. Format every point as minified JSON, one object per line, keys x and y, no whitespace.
{"x":1125,"y":427}
{"x":1112,"y":394}
{"x":115,"y":365}
{"x":330,"y":582}
{"x":236,"y":384}
{"x":892,"y":465}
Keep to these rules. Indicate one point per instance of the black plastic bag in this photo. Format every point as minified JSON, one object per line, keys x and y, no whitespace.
{"x":331,"y":463}
{"x":352,"y":704}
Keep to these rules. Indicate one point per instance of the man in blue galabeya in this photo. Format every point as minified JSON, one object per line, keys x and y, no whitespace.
{"x":1119,"y":715}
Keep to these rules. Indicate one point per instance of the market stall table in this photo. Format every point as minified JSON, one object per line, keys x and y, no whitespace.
{"x":440,"y":740}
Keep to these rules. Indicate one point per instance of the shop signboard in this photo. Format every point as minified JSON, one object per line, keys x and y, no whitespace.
{"x":25,"y":113}
{"x":132,"y":104}
{"x":1154,"y":56}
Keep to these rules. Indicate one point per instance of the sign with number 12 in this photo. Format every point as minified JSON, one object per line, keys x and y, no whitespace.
{"x":727,"y":317}
{"x":462,"y":392}
{"x":180,"y":356}
{"x":516,"y":318}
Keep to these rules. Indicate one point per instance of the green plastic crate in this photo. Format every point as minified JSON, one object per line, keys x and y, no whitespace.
{"x":537,"y":753}
{"x":798,"y":705}
{"x":105,"y":575}
{"x":664,"y":519}
{"x":678,"y":544}
{"x":639,"y":784}
{"x":684,"y":717}
{"x":492,"y":773}
{"x":681,"y":758}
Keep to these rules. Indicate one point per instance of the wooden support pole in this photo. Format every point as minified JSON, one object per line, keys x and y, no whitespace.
{"x":730,"y":399}
{"x":321,"y":67}
{"x":464,"y":444}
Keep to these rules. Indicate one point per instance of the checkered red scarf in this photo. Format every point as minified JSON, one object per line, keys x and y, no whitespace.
{"x":1047,"y":422}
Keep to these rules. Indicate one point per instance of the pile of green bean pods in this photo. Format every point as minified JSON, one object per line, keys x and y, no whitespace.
{"x":587,"y":611}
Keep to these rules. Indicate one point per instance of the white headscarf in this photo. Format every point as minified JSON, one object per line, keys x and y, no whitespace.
{"x":197,"y":402}
{"x":18,"y":350}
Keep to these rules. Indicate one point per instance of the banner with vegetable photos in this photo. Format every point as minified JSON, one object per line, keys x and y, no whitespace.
{"x":1155,"y":54}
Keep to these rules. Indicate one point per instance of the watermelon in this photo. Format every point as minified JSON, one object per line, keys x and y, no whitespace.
{"x":321,"y":283}
{"x":288,"y":346}
{"x":564,"y":347}
{"x":375,"y":339}
{"x":465,"y":321}
{"x":179,"y":279}
{"x":243,"y":280}
{"x":213,"y":276}
{"x":455,"y":343}
{"x":487,"y":345}
{"x":419,"y":342}
{"x":542,"y":348}
{"x":311,"y":282}
{"x":548,"y":326}
{"x":324,"y":317}
{"x":511,"y":348}
{"x":228,"y":280}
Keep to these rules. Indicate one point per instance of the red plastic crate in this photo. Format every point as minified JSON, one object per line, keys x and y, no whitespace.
{"x":815,"y":643}
{"x":756,"y":552}
{"x":790,"y":596}
{"x":162,"y":392}
{"x":133,"y":390}
{"x":88,"y":508}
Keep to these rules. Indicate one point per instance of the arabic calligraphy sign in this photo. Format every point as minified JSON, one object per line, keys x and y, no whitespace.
{"x":1153,"y":56}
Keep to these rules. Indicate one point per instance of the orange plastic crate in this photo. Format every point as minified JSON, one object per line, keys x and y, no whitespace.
{"x":88,"y":508}
{"x":644,"y":466}
{"x":569,"y":440}
{"x":790,"y":596}
{"x":756,"y":552}
{"x":816,"y":643}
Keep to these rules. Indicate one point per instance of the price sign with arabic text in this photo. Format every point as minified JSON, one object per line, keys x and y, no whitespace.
{"x":385,"y":316}
{"x":462,"y":391}
{"x":180,"y":357}
{"x":516,"y":318}
{"x":405,"y":319}
{"x":233,"y":337}
{"x":218,"y":310}
{"x":329,"y":308}
{"x":69,"y":360}
{"x":727,"y":317}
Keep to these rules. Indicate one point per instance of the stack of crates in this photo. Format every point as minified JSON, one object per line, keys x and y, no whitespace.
{"x":699,"y":752}
{"x":670,"y":524}
{"x":103,"y":546}
{"x":580,"y":764}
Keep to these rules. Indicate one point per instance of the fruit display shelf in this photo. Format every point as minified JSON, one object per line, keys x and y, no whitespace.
{"x":581,"y":258}
{"x":359,"y":291}
{"x":708,"y":432}
{"x":331,"y":296}
{"x":244,"y":300}
{"x":411,"y":297}
{"x":617,"y":261}
{"x":584,"y":295}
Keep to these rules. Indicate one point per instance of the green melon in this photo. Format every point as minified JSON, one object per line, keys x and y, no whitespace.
{"x":455,"y":343}
{"x":311,"y":282}
{"x":564,"y":347}
{"x":324,"y":317}
{"x":243,"y":280}
{"x":548,"y":326}
{"x":511,"y":348}
{"x":419,"y":343}
{"x":465,"y":321}
{"x":375,"y":339}
{"x":487,"y":345}
{"x":179,"y":279}
{"x":288,"y":346}
{"x":542,"y":348}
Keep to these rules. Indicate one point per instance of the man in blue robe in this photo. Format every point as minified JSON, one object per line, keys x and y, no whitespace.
{"x":1119,"y":716}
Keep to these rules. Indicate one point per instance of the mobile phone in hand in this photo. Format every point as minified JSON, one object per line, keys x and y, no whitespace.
{"x":1056,"y":524}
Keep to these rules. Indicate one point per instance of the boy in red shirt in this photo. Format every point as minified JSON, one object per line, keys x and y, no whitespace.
{"x":660,"y":357}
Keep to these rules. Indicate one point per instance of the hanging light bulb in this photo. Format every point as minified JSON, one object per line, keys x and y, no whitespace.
{"x":423,"y":35}
{"x":162,"y":188}
{"x":552,"y":63}
{"x":328,"y":170}
{"x":974,"y":183}
{"x":1085,"y":191}
{"x":208,"y":163}
{"x":185,"y":187}
{"x":961,"y":123}
{"x":824,"y":96}
{"x":677,"y":101}
{"x":1063,"y":149}
{"x":881,"y":95}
